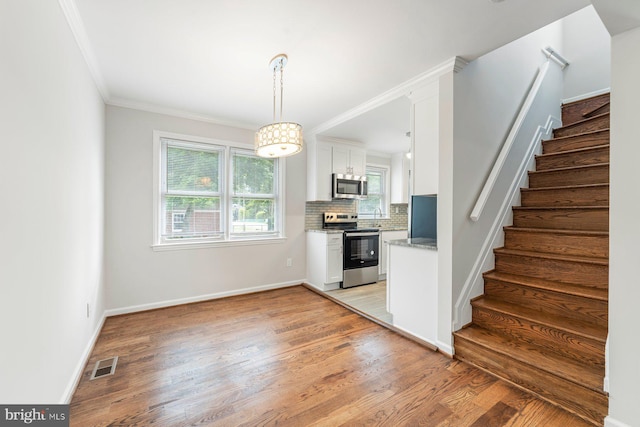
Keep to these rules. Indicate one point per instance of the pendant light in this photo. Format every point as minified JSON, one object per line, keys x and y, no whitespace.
{"x":278,"y":139}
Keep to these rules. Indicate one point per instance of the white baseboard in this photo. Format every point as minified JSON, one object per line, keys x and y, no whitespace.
{"x":586,"y":95}
{"x":611,"y":422}
{"x":199,"y":298}
{"x":86,"y":354}
{"x":445,"y":348}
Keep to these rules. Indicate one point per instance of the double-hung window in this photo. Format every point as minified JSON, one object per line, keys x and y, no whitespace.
{"x":213,"y":192}
{"x":191,"y":202}
{"x":253,"y":194}
{"x":376,"y":204}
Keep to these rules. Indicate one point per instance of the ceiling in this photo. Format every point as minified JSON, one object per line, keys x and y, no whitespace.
{"x":209,"y":58}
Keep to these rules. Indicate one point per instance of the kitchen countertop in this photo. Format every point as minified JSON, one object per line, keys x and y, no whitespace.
{"x":329,"y":230}
{"x":323,"y":230}
{"x":421,"y":243}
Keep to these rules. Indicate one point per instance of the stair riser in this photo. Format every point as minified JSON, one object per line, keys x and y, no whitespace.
{"x":562,"y":244}
{"x":581,"y":176}
{"x":582,"y":349}
{"x":554,"y":303}
{"x":583,"y":402}
{"x":575,"y":142}
{"x":569,"y":219}
{"x":566,"y":160}
{"x":596,"y":123}
{"x":574,"y":112}
{"x":577,"y":273}
{"x":572,"y":196}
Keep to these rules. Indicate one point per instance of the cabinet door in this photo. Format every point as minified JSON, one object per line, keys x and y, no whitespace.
{"x":385,"y":236}
{"x":399,"y":178}
{"x":334,"y":263}
{"x":358,"y":161}
{"x":323,"y":176}
{"x":340,"y":159}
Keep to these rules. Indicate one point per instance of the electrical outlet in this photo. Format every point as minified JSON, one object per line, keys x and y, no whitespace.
{"x":289,"y":262}
{"x":88,"y":310}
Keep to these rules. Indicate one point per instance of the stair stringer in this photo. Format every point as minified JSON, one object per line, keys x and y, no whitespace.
{"x":474,"y":283}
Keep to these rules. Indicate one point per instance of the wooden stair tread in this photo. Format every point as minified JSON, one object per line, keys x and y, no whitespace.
{"x":573,"y":151}
{"x":545,"y":255}
{"x":569,"y":168}
{"x":564,"y":187}
{"x":557,"y":231}
{"x":533,"y":208}
{"x":580,"y":122}
{"x":549,"y":285}
{"x":572,"y":326}
{"x":582,"y":375}
{"x":577,"y":135}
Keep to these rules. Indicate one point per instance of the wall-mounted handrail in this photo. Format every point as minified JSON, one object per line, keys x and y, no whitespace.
{"x":555,"y":56}
{"x":506,"y":147}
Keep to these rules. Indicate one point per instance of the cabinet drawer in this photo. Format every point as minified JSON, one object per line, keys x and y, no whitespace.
{"x":334,"y":239}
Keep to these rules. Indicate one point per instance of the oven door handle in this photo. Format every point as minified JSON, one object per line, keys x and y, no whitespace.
{"x":356,"y":234}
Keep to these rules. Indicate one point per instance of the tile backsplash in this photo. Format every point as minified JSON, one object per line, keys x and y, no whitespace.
{"x":314,"y":210}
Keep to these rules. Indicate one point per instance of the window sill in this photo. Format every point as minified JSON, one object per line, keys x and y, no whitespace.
{"x":216,"y":244}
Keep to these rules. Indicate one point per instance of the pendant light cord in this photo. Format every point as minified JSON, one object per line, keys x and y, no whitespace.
{"x":274,"y":94}
{"x":281,"y":88}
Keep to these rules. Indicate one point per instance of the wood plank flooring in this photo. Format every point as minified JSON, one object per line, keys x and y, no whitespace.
{"x":287,"y":357}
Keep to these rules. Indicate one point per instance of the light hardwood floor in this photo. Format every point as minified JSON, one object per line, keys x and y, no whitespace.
{"x":287,"y":357}
{"x":370,"y":299}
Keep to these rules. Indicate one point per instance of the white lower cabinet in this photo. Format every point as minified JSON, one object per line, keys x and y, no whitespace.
{"x":385,"y":236}
{"x":324,"y":260}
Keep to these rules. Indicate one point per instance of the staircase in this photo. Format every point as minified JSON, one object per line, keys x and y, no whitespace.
{"x":542,"y":321}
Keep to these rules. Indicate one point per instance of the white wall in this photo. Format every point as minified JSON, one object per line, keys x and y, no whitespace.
{"x":488,"y":94}
{"x":624,"y":233}
{"x":587,"y":46}
{"x":52,"y":187}
{"x":137,"y":277}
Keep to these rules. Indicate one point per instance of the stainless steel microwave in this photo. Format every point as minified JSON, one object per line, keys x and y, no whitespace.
{"x":348,"y":186}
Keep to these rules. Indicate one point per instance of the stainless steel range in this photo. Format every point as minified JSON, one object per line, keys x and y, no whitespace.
{"x":360,"y":249}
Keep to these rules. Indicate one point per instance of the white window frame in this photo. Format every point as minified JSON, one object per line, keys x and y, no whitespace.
{"x":228,"y":238}
{"x":386,"y":199}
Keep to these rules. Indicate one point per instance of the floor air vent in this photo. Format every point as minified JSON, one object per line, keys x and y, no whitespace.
{"x":104,"y":368}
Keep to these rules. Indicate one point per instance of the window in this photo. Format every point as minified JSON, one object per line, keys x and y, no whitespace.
{"x":213,"y":192}
{"x":253,"y":195}
{"x":376,"y":204}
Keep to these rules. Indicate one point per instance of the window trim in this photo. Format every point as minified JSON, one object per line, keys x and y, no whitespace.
{"x":386,"y":214}
{"x":160,"y":244}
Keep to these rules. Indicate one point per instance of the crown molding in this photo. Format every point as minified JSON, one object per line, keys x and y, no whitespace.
{"x":454,"y":64}
{"x":151,"y":108}
{"x":335,"y":140}
{"x":71,"y":13}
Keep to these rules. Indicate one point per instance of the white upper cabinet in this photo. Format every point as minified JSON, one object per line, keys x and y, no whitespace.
{"x":348,"y":160}
{"x":424,"y":140}
{"x":327,"y":157}
{"x":400,"y":178}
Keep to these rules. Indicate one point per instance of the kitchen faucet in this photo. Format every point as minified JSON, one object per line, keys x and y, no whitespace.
{"x":374,"y":217}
